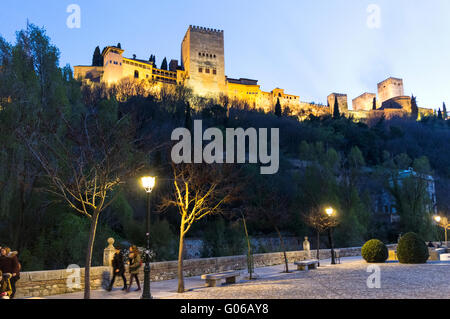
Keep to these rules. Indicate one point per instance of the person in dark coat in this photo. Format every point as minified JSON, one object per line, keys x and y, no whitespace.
{"x":4,"y":261}
{"x":134,"y":259}
{"x":9,"y":264}
{"x":118,"y":269}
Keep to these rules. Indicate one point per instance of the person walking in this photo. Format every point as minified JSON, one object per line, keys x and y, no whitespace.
{"x":135,"y":265}
{"x":118,"y":269}
{"x":5,"y":285}
{"x":9,"y":264}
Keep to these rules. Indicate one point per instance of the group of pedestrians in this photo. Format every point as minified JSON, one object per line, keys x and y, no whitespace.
{"x":133,"y":259}
{"x":9,"y":272}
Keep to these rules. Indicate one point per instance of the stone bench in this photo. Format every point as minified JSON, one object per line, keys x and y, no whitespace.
{"x":436,"y":253}
{"x":229,"y":276}
{"x":307,"y":264}
{"x":445,"y":257}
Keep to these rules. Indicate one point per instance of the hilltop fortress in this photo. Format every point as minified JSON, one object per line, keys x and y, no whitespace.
{"x":203,"y":69}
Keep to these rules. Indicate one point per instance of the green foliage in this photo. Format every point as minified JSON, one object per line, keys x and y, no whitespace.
{"x":164,"y":64}
{"x":413,"y":204}
{"x":221,"y":240}
{"x":375,"y":251}
{"x":278,"y":111}
{"x":163,"y":241}
{"x":336,"y":111}
{"x":412,"y":249}
{"x":97,"y":58}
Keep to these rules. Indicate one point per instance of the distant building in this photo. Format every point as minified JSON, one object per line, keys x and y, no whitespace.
{"x":385,"y":202}
{"x":203,"y":69}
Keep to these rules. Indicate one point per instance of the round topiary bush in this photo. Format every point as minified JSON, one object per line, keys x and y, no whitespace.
{"x":412,"y":249}
{"x":374,"y":251}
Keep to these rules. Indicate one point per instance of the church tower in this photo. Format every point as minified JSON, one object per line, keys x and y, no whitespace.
{"x":203,"y":59}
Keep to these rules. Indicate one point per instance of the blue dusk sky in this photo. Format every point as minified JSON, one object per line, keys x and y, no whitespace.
{"x":309,"y":48}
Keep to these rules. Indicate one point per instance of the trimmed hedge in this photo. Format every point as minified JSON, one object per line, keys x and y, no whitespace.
{"x":412,"y":249}
{"x":374,"y":251}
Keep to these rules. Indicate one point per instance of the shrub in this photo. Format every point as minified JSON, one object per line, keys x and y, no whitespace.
{"x":374,"y":251}
{"x":412,"y":249}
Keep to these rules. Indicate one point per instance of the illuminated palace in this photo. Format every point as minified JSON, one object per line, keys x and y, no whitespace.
{"x":203,"y":69}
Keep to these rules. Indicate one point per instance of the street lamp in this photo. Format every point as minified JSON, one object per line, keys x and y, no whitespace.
{"x":148,"y":183}
{"x":443,"y":222}
{"x":330,"y":212}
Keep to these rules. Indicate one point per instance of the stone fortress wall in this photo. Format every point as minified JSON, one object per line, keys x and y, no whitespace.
{"x":203,"y":69}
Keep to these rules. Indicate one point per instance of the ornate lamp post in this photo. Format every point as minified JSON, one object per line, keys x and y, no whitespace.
{"x":443,"y":222}
{"x":330,"y":212}
{"x":148,"y":183}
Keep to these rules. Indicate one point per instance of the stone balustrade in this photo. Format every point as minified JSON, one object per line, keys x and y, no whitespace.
{"x":53,"y":282}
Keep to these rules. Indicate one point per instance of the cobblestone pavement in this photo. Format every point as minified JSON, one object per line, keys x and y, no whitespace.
{"x":347,"y":280}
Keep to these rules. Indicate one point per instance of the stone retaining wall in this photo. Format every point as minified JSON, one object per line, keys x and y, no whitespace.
{"x":53,"y":282}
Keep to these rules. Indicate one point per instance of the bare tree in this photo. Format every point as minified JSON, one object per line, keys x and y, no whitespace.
{"x":271,"y":206}
{"x":320,"y":222}
{"x":91,"y":154}
{"x":199,"y":190}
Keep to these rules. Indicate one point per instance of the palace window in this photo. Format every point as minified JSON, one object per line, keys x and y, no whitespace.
{"x":200,"y":70}
{"x":207,"y":70}
{"x":136,"y":74}
{"x":214,"y":71}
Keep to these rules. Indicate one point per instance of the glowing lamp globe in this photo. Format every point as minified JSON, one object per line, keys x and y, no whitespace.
{"x":148,"y":183}
{"x":329,"y":211}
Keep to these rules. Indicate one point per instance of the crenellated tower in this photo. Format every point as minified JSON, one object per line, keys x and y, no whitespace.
{"x":203,"y":59}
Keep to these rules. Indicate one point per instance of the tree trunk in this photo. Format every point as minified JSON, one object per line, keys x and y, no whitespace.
{"x":318,"y":247}
{"x":180,"y":260}
{"x":90,"y":248}
{"x":284,"y":249}
{"x":330,"y":239}
{"x":249,"y":253}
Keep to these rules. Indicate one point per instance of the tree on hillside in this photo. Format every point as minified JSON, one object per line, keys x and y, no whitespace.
{"x":318,"y":220}
{"x":164,"y":64}
{"x":354,"y":217}
{"x":119,"y":45}
{"x":97,"y":59}
{"x":414,"y":107}
{"x":444,"y":111}
{"x":413,"y":204}
{"x":34,"y":88}
{"x":188,"y":117}
{"x":86,"y":160}
{"x":270,"y":205}
{"x":152,"y":59}
{"x":336,"y":111}
{"x":278,"y":108}
{"x":440,"y":115}
{"x":199,"y":190}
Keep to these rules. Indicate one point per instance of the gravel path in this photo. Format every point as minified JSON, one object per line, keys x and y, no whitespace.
{"x":347,"y":280}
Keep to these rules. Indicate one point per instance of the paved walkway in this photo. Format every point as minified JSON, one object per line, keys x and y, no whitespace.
{"x":346,"y":280}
